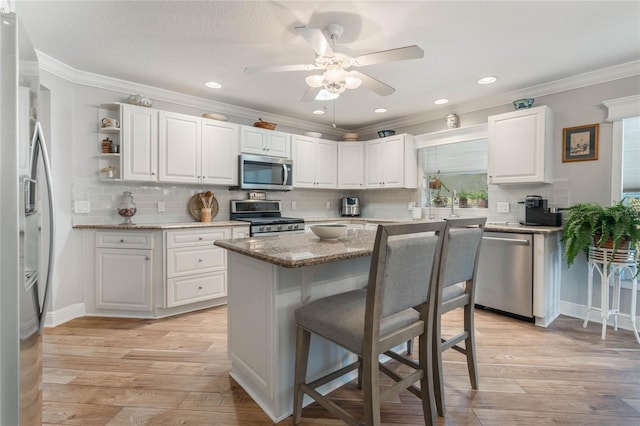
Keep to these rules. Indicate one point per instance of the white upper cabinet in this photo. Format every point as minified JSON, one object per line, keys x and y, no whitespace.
{"x":391,"y":162}
{"x":197,"y":150}
{"x":179,"y":141}
{"x":351,"y":165}
{"x":521,"y":146}
{"x":315,"y":162}
{"x":220,"y":149}
{"x":254,"y":140}
{"x":139,"y":140}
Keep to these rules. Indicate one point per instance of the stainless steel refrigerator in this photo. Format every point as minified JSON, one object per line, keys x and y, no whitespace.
{"x":26,"y":228}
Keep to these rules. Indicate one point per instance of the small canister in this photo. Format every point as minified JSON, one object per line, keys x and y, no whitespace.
{"x":452,"y":121}
{"x":107,"y":145}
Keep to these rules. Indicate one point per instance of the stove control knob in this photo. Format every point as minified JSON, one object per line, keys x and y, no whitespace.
{"x":290,"y":227}
{"x":279,"y":227}
{"x":262,"y":229}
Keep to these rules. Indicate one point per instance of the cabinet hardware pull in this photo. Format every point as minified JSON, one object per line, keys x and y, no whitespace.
{"x":199,"y":287}
{"x":199,"y":260}
{"x":200,"y":238}
{"x":122,"y":241}
{"x":146,"y":258}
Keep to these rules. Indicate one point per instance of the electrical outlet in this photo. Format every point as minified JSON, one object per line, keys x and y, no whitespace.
{"x":293,"y":205}
{"x":502,"y":207}
{"x":160,"y":206}
{"x":328,"y":205}
{"x":411,"y":205}
{"x":81,"y":206}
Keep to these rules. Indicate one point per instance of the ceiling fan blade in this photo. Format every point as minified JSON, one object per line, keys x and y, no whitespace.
{"x":315,"y":37}
{"x":310,"y":94}
{"x":281,"y":68}
{"x":399,"y":54}
{"x":374,"y":85}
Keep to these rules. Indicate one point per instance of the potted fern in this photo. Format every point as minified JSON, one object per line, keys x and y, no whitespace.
{"x":616,"y":227}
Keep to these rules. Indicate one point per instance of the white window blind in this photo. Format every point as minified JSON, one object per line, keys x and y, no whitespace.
{"x":457,"y":158}
{"x":631,"y":155}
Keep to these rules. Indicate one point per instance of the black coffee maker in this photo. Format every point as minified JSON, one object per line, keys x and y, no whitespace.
{"x":536,"y":213}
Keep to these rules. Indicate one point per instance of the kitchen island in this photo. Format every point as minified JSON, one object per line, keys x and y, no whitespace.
{"x":269,"y":277}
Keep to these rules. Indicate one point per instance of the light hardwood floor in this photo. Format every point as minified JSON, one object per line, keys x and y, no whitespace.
{"x":174,"y":371}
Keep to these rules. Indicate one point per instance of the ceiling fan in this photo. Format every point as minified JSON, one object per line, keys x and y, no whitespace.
{"x":334,"y":62}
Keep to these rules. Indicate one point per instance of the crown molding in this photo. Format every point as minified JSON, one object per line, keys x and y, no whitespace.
{"x":73,"y":75}
{"x":628,"y":106}
{"x":64,"y":71}
{"x":616,"y":72}
{"x":460,"y":134}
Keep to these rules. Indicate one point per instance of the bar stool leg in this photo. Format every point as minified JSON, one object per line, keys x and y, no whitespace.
{"x":615,"y":303}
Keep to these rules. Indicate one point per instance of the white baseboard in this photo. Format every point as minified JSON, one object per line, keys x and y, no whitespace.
{"x":580,"y":311}
{"x":55,"y":318}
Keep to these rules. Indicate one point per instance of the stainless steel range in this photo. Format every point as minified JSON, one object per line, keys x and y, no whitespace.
{"x":265,"y":217}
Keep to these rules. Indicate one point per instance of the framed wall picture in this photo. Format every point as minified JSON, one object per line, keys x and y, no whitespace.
{"x":580,"y":143}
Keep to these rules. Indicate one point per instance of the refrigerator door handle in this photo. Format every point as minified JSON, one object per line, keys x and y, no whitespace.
{"x":38,"y":144}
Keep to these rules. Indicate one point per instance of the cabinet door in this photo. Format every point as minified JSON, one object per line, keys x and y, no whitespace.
{"x":326,"y":164}
{"x":277,"y":144}
{"x":139,"y":143}
{"x":373,"y":161}
{"x":123,"y":279}
{"x":520,"y":146}
{"x":220,"y":149}
{"x":304,"y":160}
{"x":392,"y":164}
{"x":350,"y":165}
{"x":252,"y":140}
{"x":179,"y":143}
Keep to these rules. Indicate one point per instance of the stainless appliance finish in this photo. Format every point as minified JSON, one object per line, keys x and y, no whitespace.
{"x":26,"y":228}
{"x":350,"y":206}
{"x":263,"y":172}
{"x":265,"y":217}
{"x":505,"y":274}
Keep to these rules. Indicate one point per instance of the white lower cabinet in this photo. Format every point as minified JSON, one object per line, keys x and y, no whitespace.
{"x":123,"y":271}
{"x":196,"y":270}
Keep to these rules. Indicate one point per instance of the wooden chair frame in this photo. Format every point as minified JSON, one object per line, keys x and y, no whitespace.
{"x":374,"y":344}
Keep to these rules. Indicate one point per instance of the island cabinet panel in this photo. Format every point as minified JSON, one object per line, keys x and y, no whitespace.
{"x":521,"y":146}
{"x":262,"y":300}
{"x":196,"y":270}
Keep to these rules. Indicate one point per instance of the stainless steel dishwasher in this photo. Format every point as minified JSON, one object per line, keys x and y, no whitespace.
{"x":505,"y":274}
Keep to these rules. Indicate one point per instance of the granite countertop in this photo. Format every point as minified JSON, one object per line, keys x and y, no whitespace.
{"x":298,"y":250}
{"x":161,"y":226}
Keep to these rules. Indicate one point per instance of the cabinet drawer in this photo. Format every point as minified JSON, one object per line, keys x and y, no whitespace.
{"x":134,"y":240}
{"x":193,"y":260}
{"x":181,"y":291}
{"x":196,"y":237}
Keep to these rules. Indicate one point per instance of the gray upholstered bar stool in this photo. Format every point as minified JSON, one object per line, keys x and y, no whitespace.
{"x":370,"y":321}
{"x":456,"y":289}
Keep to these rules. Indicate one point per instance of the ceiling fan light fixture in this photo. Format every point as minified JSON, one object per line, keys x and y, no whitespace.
{"x":325,"y":95}
{"x":315,"y":80}
{"x":351,"y":81}
{"x":335,"y":87}
{"x":335,"y":73}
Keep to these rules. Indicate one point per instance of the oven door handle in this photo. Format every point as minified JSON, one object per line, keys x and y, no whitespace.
{"x":285,"y":173}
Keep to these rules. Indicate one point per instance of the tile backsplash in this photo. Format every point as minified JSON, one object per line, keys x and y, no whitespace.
{"x":104,"y":198}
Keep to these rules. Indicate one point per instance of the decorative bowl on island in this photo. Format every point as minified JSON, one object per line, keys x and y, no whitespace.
{"x":329,"y":231}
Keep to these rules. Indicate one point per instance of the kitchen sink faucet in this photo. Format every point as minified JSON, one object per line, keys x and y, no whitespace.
{"x":454,"y":194}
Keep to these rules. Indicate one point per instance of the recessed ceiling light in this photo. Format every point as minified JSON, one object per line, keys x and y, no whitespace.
{"x":318,"y":111}
{"x":213,"y":85}
{"x":380,"y":110}
{"x":487,"y":80}
{"x":441,"y":101}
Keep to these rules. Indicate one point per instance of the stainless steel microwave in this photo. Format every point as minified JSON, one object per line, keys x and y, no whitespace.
{"x":262,"y":172}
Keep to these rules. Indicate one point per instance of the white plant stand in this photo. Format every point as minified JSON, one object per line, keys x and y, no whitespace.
{"x":608,"y":266}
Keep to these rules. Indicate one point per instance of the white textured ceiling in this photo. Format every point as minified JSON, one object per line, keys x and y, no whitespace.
{"x":178,"y":45}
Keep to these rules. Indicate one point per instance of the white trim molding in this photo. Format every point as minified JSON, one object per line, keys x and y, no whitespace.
{"x":55,"y":318}
{"x":461,"y":134}
{"x":620,"y":108}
